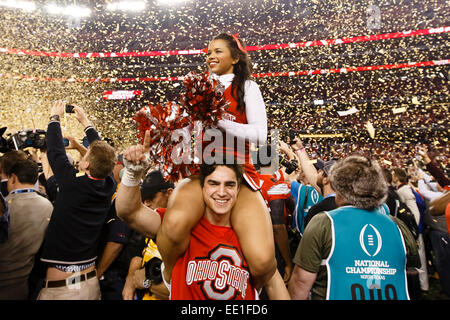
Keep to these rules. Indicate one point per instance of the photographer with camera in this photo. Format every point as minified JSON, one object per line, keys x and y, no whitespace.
{"x":306,"y":193}
{"x":80,"y":210}
{"x":326,"y":189}
{"x":330,"y":242}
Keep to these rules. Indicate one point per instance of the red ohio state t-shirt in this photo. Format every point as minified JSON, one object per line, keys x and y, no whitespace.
{"x":213,"y":267}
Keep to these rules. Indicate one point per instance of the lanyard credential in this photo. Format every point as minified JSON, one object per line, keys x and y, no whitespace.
{"x":22,"y":191}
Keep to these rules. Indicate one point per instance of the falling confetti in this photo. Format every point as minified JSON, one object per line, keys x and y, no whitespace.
{"x":406,"y":105}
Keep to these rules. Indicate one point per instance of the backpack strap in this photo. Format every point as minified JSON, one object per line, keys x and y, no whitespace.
{"x":298,"y":199}
{"x":306,"y":199}
{"x":397,"y":205}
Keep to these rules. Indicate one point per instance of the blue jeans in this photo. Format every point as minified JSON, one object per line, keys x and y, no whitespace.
{"x":441,"y":247}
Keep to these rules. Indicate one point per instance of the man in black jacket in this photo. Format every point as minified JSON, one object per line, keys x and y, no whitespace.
{"x":79,"y":212}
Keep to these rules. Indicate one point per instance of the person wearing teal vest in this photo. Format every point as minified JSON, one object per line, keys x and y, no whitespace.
{"x":358,"y":251}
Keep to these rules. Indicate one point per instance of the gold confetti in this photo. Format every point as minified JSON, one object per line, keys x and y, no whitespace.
{"x":407,"y":106}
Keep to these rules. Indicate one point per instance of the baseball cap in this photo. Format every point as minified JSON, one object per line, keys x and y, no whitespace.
{"x":153,"y":183}
{"x":324,"y":165}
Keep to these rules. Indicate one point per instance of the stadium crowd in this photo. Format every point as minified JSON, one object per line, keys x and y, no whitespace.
{"x":349,"y":201}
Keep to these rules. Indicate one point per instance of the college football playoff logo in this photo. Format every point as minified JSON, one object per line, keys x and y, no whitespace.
{"x":370,"y":240}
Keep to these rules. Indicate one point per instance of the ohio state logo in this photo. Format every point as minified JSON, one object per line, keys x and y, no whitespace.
{"x":221,"y":275}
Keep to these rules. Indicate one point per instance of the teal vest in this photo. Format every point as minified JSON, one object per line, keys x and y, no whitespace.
{"x":305,"y":197}
{"x":367,"y":260}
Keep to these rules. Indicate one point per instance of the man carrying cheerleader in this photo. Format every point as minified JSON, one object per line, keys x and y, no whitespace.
{"x":243,"y":122}
{"x":213,"y":266}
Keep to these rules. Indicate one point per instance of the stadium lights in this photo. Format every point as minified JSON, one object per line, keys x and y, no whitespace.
{"x":25,"y":5}
{"x":126,"y":6}
{"x":72,"y":10}
{"x":170,"y":2}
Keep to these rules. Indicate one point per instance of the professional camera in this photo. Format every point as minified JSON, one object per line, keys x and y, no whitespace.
{"x":290,"y":166}
{"x":152,"y":273}
{"x":153,"y":270}
{"x":34,"y":138}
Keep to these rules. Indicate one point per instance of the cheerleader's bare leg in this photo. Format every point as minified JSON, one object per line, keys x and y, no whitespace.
{"x":251,"y":221}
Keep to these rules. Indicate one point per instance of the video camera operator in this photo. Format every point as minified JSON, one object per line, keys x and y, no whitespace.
{"x":80,"y":210}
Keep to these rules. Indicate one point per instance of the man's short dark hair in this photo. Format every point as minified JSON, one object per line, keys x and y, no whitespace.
{"x":26,"y":171}
{"x":9,"y":159}
{"x":207,"y":169}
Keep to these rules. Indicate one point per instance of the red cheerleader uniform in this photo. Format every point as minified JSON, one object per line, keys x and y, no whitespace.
{"x":242,"y":154}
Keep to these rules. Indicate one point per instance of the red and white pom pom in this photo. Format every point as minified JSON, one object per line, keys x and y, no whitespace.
{"x":162,"y":121}
{"x":203,"y":101}
{"x":203,"y":98}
